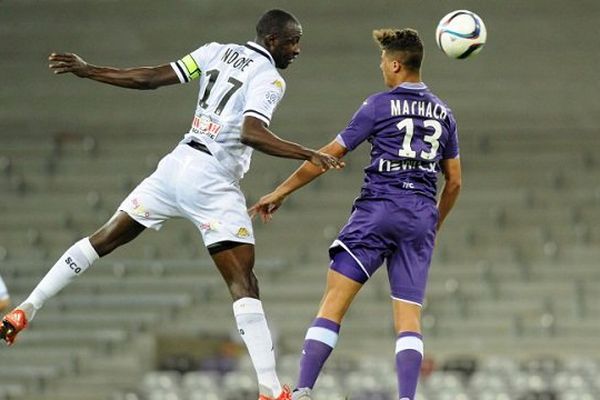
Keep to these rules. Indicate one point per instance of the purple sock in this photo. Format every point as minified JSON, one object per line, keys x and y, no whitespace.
{"x":409,"y":354}
{"x":320,"y":340}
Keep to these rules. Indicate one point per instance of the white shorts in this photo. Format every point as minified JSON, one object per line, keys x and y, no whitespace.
{"x":3,"y":291}
{"x":191,"y":184}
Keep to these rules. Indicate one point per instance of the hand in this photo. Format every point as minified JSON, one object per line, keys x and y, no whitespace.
{"x":326,"y":161}
{"x":62,"y":63}
{"x":266,"y":206}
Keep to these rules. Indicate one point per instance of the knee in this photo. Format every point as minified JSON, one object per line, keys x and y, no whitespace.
{"x":244,"y":285}
{"x":408,"y":322}
{"x":101,"y":241}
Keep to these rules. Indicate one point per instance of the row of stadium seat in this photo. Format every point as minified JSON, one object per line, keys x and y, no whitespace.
{"x":515,"y":271}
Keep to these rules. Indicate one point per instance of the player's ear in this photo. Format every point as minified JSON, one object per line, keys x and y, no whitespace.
{"x":396,"y":66}
{"x":271,"y":40}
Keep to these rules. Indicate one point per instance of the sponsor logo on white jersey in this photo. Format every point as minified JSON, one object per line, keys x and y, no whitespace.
{"x":204,"y":125}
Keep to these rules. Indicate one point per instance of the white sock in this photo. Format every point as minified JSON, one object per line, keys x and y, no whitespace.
{"x":74,"y":262}
{"x":252,"y":325}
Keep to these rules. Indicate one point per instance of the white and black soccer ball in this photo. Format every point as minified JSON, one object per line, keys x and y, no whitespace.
{"x":461,"y":34}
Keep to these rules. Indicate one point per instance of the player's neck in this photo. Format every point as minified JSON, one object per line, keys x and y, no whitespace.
{"x":405,"y":78}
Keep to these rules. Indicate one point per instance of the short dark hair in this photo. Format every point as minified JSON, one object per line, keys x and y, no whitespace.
{"x":405,"y":41}
{"x":274,"y":21}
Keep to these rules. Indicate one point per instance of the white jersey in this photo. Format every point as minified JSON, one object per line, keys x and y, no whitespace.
{"x":3,"y":290}
{"x":235,"y":81}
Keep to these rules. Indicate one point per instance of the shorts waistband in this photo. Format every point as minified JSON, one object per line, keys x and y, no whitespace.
{"x":199,"y":146}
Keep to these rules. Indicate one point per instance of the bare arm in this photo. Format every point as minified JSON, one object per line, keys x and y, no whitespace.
{"x":453,"y":181}
{"x":142,"y":78}
{"x":256,"y":135}
{"x":307,"y":172}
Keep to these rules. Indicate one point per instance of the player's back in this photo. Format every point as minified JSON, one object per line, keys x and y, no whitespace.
{"x":412,"y":131}
{"x":234,"y":81}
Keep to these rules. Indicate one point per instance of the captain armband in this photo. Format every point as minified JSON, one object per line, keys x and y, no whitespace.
{"x":186,"y":69}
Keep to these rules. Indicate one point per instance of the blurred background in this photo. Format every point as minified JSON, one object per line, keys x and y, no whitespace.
{"x":512,"y":309}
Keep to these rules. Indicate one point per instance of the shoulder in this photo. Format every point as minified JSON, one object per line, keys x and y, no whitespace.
{"x":211,"y":46}
{"x":447,"y":109}
{"x":373,"y":101}
{"x":207,"y":50}
{"x":376,"y":98}
{"x":267,"y":74}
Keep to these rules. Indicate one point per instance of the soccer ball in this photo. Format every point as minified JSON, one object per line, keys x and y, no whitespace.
{"x":461,"y":34}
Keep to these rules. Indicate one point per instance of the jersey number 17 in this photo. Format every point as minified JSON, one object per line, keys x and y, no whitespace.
{"x":213,"y":75}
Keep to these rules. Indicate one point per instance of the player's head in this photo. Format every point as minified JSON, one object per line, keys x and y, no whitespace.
{"x":279,"y":32}
{"x":401,"y":54}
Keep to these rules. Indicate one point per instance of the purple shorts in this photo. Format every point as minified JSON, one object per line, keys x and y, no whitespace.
{"x":400,"y":231}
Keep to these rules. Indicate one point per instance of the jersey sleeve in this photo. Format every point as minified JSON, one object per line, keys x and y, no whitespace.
{"x":190,"y":66}
{"x":359,"y":128}
{"x":451,"y":150}
{"x":263,"y":95}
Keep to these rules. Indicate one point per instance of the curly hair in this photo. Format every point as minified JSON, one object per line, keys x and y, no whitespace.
{"x":406,"y":42}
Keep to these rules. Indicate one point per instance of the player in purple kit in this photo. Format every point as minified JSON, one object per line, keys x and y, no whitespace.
{"x":413,"y":136}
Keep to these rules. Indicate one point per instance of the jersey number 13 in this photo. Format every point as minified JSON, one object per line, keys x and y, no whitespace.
{"x":408,"y":125}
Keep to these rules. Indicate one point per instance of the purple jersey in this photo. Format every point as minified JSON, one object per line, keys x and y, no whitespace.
{"x":410,"y":131}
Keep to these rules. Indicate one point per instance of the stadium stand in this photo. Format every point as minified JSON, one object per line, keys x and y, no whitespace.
{"x":512,"y":309}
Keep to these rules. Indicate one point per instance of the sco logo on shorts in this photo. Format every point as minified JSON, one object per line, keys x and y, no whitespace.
{"x":73,"y":265}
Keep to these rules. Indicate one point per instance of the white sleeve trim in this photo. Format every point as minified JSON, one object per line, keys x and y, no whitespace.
{"x":256,"y":114}
{"x":340,"y":140}
{"x":178,"y":72}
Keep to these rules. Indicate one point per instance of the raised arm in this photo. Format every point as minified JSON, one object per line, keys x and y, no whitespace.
{"x":142,"y":78}
{"x":256,"y":135}
{"x":453,"y":181}
{"x":305,"y":174}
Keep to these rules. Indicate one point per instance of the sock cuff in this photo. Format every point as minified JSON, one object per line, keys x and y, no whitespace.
{"x":322,"y":335}
{"x":409,"y":341}
{"x":87,"y":250}
{"x":408,"y":333}
{"x":247,"y":305}
{"x":327,"y":324}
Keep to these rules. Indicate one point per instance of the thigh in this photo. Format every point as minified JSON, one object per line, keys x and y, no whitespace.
{"x":154,"y":200}
{"x":408,"y":265}
{"x":214,"y":202}
{"x":339,"y":294}
{"x":365,"y":237}
{"x":120,"y":229}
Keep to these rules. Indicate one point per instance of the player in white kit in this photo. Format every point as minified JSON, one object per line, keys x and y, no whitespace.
{"x":240,"y":88}
{"x":4,"y":296}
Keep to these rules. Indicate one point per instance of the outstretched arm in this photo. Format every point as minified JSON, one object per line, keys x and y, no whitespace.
{"x":142,"y":78}
{"x":453,"y":181}
{"x":307,"y":172}
{"x":256,"y":135}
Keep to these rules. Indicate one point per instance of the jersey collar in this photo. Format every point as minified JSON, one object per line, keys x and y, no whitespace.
{"x":412,"y":85}
{"x":259,"y":49}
